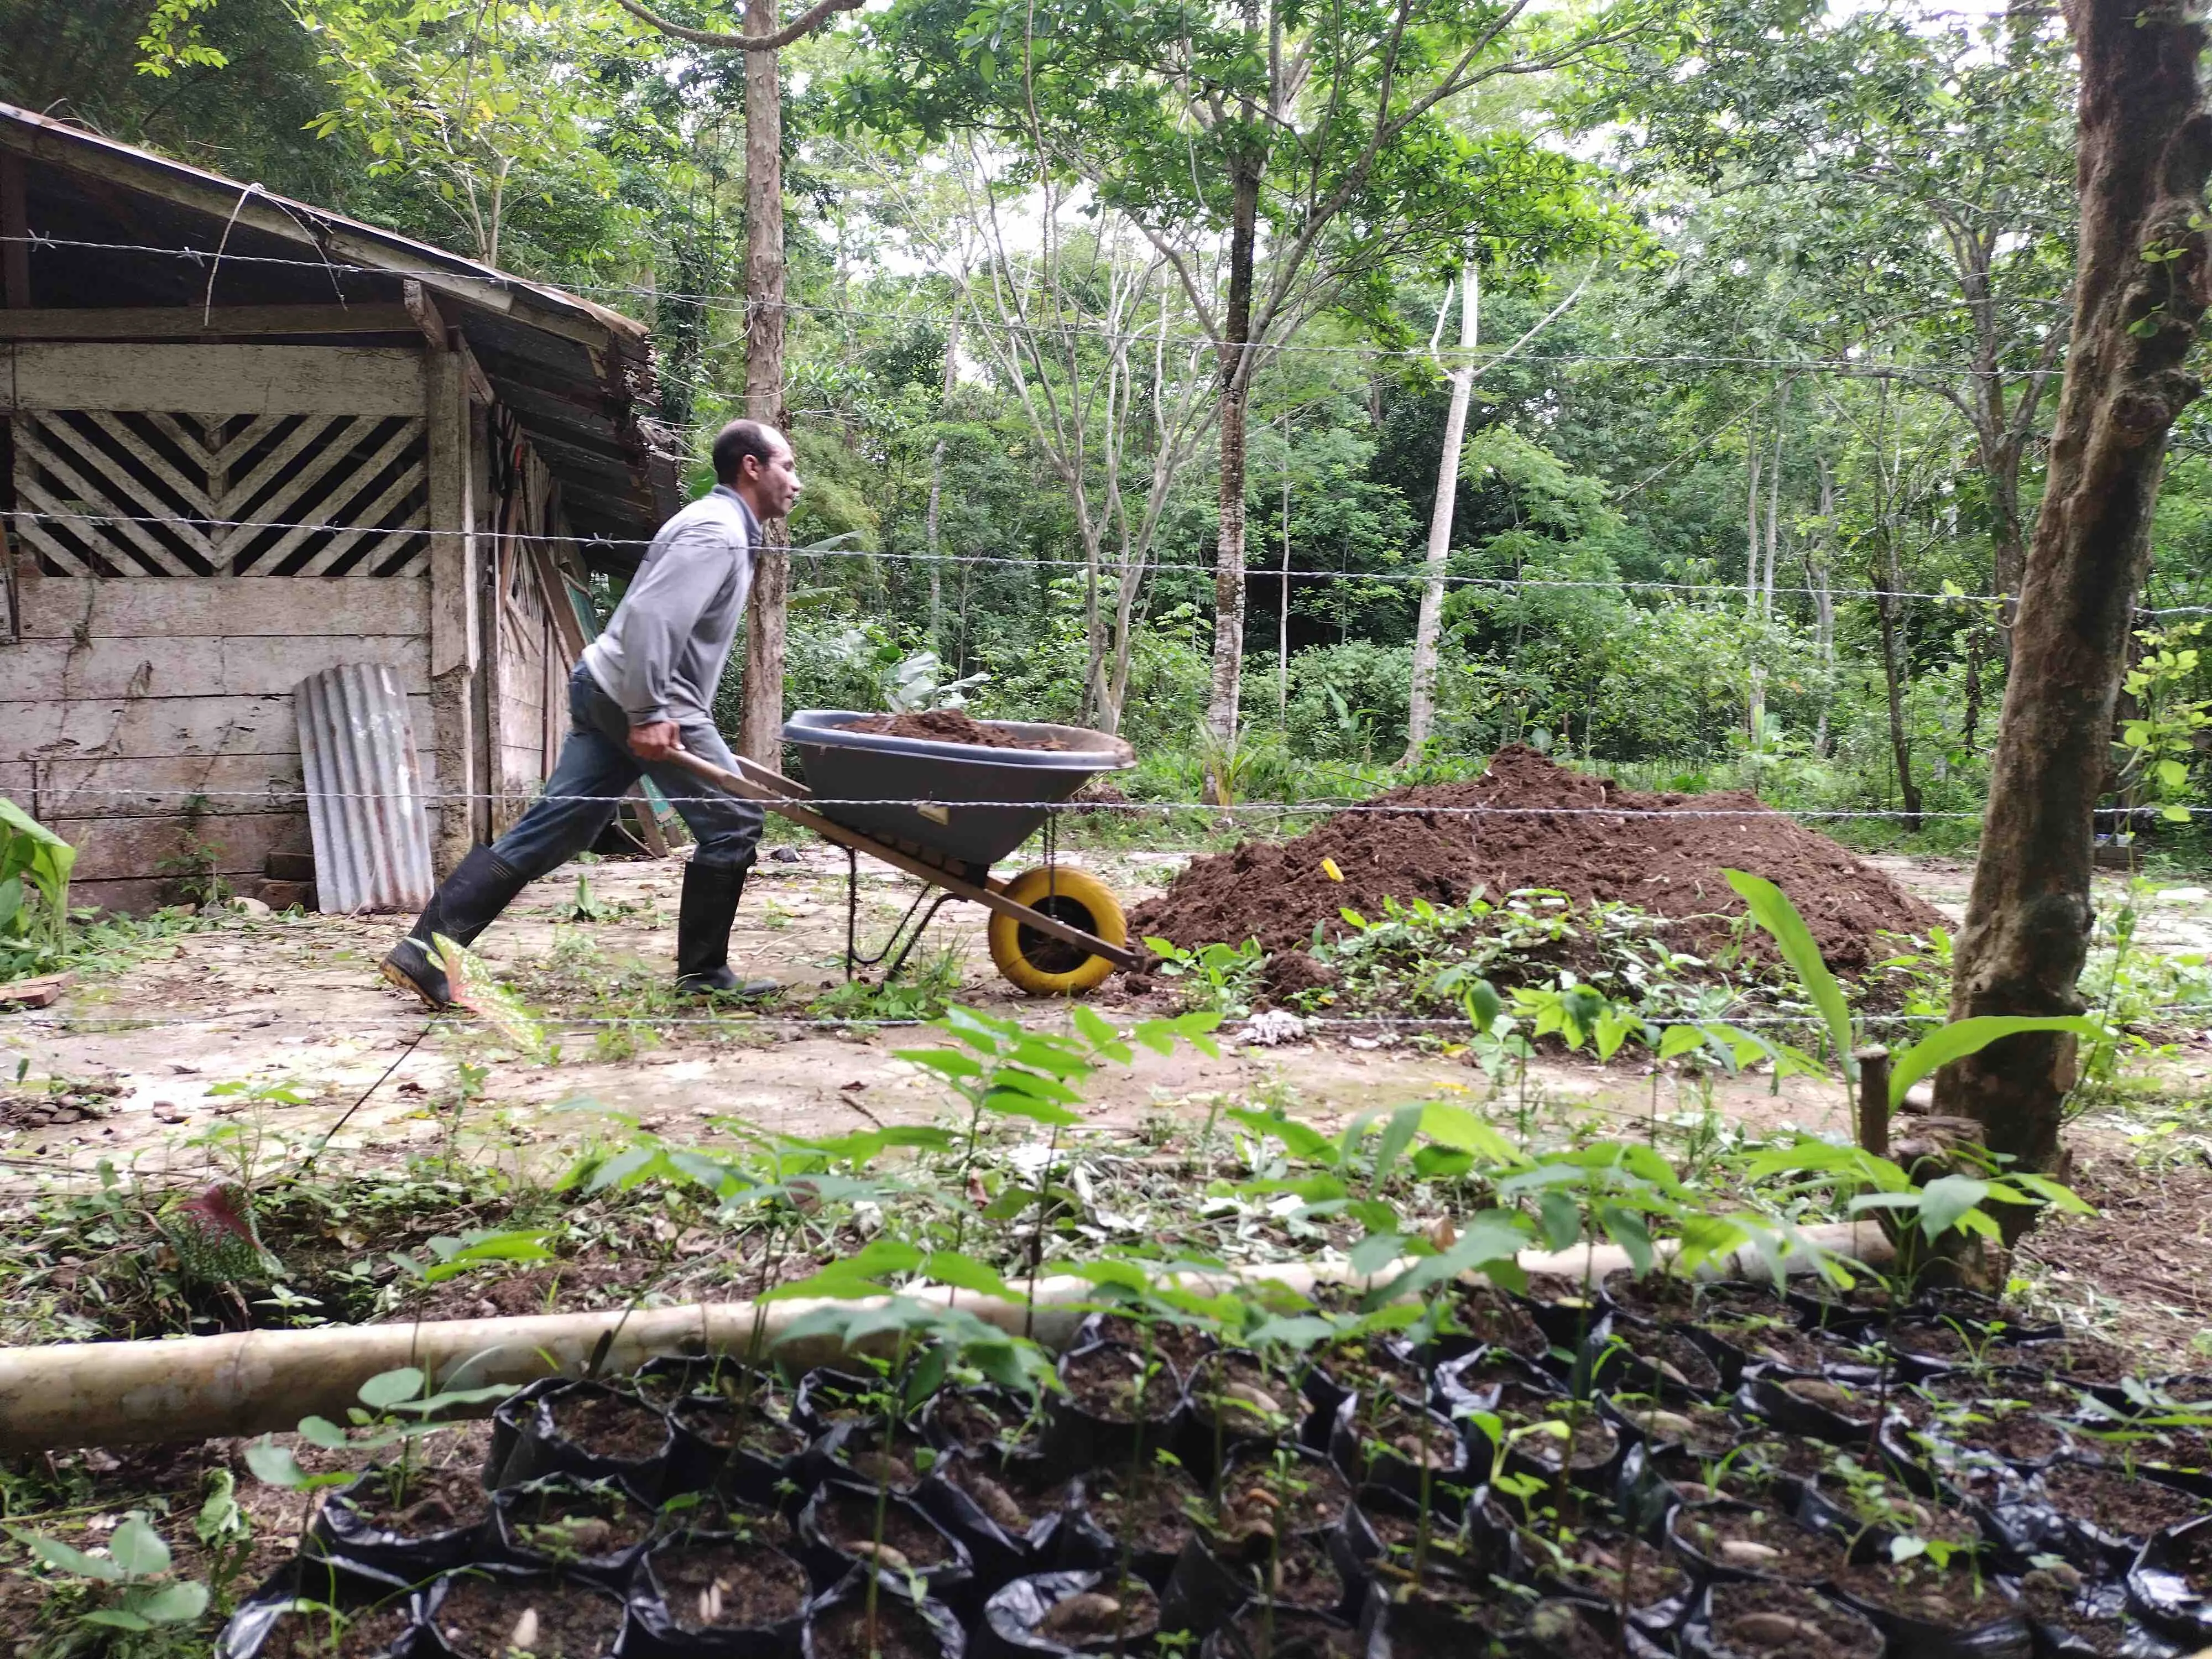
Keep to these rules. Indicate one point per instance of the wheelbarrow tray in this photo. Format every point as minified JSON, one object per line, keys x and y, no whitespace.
{"x":930,"y":789}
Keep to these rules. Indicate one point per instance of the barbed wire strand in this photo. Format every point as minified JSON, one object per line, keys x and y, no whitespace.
{"x":52,"y":515}
{"x":1333,"y":807}
{"x":1503,"y":584}
{"x":740,"y":304}
{"x":94,"y":1024}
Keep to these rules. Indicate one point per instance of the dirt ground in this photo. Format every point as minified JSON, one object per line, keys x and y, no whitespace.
{"x":262,"y":1032}
{"x":253,"y":1036}
{"x":180,"y":1044}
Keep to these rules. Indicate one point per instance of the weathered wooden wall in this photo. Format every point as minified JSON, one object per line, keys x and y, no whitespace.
{"x":167,"y":613}
{"x":183,"y":688}
{"x":168,"y":609}
{"x":528,"y":685}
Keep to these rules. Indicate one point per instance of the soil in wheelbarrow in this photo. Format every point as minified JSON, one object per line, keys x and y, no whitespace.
{"x":1278,"y":891}
{"x":951,"y":726}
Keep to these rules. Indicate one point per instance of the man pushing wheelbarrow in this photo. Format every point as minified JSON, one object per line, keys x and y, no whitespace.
{"x":642,"y":694}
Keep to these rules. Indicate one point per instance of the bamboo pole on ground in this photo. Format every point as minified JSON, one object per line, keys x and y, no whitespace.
{"x":203,"y":1388}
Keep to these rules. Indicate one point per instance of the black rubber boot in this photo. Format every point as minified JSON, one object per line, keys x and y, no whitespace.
{"x":702,"y":934}
{"x":466,"y":902}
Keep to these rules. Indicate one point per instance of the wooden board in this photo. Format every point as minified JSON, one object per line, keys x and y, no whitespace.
{"x":134,"y":896}
{"x":193,"y":666}
{"x":57,"y":607}
{"x":216,"y":380}
{"x":229,"y":785}
{"x":193,"y":322}
{"x":112,"y":848}
{"x":161,"y":727}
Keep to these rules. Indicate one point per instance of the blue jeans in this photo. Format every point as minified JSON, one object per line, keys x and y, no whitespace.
{"x":596,"y":766}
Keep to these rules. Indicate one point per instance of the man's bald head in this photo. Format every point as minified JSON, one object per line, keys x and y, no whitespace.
{"x":743,"y":441}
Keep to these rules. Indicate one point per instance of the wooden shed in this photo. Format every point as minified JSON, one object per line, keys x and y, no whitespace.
{"x":245,"y":440}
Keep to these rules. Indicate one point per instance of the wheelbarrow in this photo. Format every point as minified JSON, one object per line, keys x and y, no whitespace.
{"x":947,"y":812}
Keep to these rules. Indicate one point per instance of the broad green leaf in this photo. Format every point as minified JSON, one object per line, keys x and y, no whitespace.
{"x":389,"y":1389}
{"x":965,"y":1273}
{"x":1372,"y":1214}
{"x":1302,"y":1140}
{"x":274,"y":1464}
{"x":1679,"y":1040}
{"x":1962,"y":1037}
{"x":1041,"y":1088}
{"x":321,"y":1432}
{"x":1298,"y":1332}
{"x":1010,"y":1103}
{"x":1558,"y":1220}
{"x":62,"y":1557}
{"x":625,"y":1168}
{"x":174,"y":1604}
{"x":2056,"y":1195}
{"x":1945,"y":1202}
{"x":923,"y":1379}
{"x":1772,"y":909}
{"x":116,"y":1618}
{"x":1114,"y":1272}
{"x":137,"y":1548}
{"x":1098,"y":1030}
{"x":1487,"y":1243}
{"x":1483,"y":1005}
{"x":1442,"y":1163}
{"x":1397,"y":1134}
{"x":1154,"y":1034}
{"x":1705,"y":1238}
{"x":1372,"y":1255}
{"x":1456,"y":1127}
{"x":1626,"y":1228}
{"x":945,"y":1062}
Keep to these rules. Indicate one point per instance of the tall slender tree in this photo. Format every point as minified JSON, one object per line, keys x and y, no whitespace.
{"x":761,"y":723}
{"x":2142,"y":280}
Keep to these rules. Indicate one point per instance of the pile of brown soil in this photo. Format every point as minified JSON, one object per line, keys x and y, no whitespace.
{"x":951,"y":726}
{"x":1671,"y":866}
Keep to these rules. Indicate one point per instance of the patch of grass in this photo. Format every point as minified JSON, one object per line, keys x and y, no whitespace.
{"x":924,"y":989}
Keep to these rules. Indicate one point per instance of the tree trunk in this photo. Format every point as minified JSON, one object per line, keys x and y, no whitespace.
{"x":1773,"y":510}
{"x":2140,"y":286}
{"x":930,"y":541}
{"x":2009,"y":542}
{"x":1235,"y":387}
{"x":1125,"y":612}
{"x":937,"y":485}
{"x":1095,"y":692}
{"x":760,"y":734}
{"x":1824,"y":606}
{"x":1421,"y":706}
{"x":1755,"y":708}
{"x":1283,"y":597}
{"x":1889,"y":612}
{"x":1971,"y":724}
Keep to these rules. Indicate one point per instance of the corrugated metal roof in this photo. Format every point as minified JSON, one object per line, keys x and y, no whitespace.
{"x":577,"y":375}
{"x":365,"y":798}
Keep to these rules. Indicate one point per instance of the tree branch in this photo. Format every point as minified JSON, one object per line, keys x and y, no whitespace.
{"x":799,"y":26}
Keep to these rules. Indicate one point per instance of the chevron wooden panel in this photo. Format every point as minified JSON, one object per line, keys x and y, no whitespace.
{"x":157,"y":493}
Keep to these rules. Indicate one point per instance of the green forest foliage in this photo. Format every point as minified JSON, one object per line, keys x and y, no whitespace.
{"x":1759,"y":344}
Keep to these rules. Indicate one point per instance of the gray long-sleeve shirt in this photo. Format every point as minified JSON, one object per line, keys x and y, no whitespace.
{"x":663,"y":651}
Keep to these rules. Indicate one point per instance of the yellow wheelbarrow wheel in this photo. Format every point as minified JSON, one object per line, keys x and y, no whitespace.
{"x":1040,"y":965}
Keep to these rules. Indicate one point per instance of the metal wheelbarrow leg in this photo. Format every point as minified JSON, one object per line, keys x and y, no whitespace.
{"x":1023,"y":910}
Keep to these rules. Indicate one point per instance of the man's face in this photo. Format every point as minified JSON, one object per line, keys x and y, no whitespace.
{"x":772,"y":485}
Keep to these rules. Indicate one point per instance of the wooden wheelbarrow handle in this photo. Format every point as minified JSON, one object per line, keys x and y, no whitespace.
{"x":771,"y":789}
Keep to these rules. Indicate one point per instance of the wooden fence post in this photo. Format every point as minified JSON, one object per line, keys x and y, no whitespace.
{"x":1873,"y":1099}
